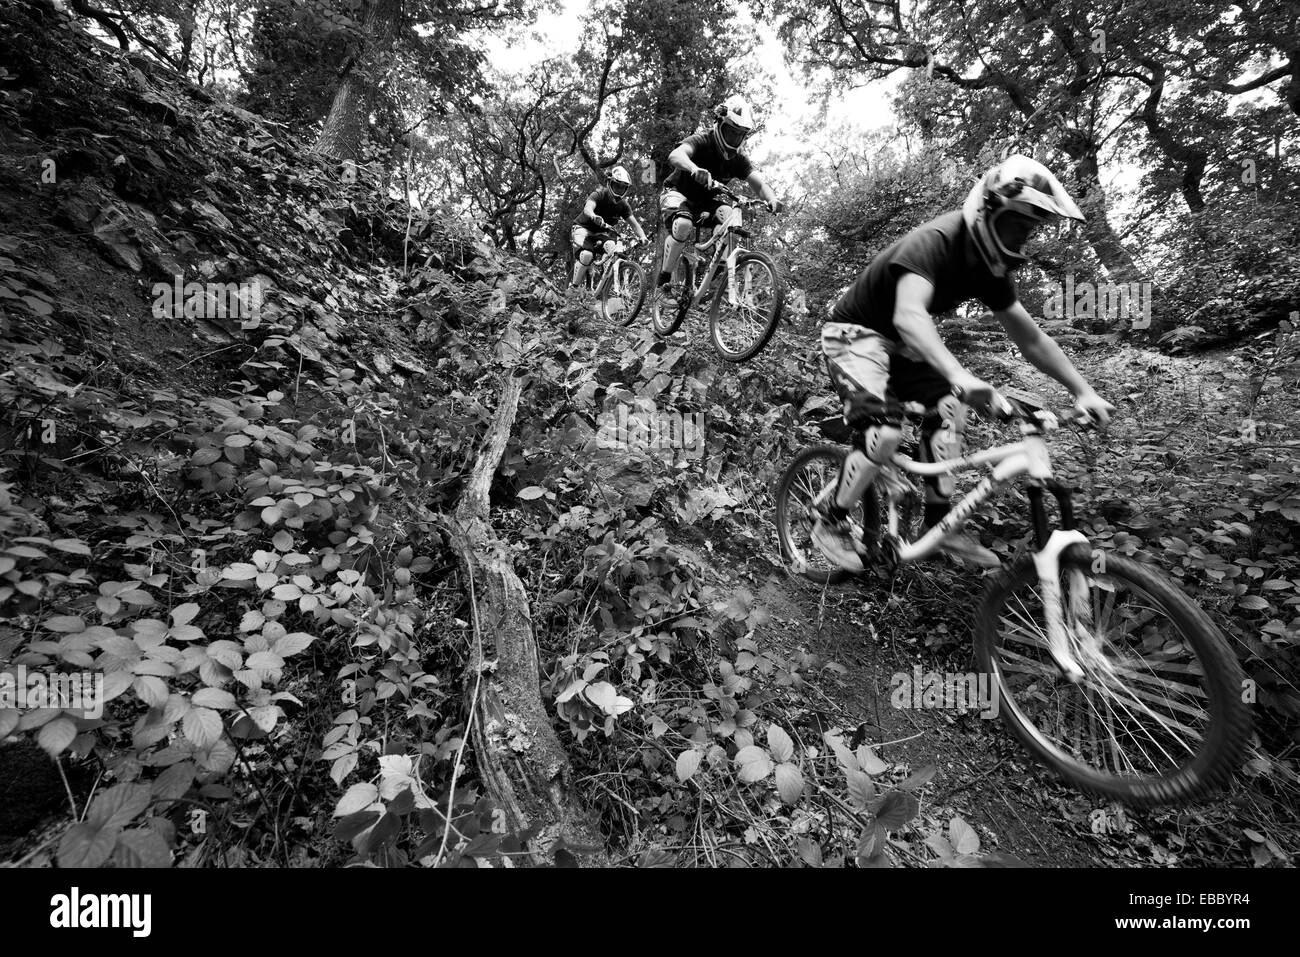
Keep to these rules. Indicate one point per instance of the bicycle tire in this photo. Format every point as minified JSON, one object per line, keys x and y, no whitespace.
{"x":629,"y":314}
{"x":771,"y":321}
{"x":674,"y":321}
{"x":1229,"y":717}
{"x":791,"y":551}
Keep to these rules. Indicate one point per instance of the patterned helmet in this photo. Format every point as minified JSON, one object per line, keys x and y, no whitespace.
{"x":619,"y":181}
{"x":1017,"y":185}
{"x":735,"y":123}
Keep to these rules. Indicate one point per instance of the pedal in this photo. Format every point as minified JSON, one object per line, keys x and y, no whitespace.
{"x":741,"y":231}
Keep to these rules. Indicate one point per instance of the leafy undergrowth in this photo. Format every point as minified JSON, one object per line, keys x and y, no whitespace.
{"x":240,"y":522}
{"x":1146,"y":488}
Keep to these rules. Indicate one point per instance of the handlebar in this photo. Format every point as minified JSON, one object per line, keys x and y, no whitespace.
{"x":1014,"y":409}
{"x":624,"y":239}
{"x":744,"y":202}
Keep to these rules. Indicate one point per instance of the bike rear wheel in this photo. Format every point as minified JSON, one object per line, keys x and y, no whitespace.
{"x":1157,"y":717}
{"x":741,"y":329}
{"x":622,"y":293}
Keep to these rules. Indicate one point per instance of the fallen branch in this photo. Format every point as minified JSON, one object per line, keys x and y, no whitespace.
{"x":523,"y":766}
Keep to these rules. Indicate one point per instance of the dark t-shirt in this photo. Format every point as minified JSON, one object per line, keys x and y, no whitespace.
{"x":704,"y":154}
{"x":940,"y":251}
{"x":608,"y":207}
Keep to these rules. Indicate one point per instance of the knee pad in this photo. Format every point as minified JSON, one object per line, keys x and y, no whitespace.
{"x":879,"y":442}
{"x":681,"y":228}
{"x":951,"y":409}
{"x":609,"y":247}
{"x":585,"y":257}
{"x":943,"y":438}
{"x":863,"y":464}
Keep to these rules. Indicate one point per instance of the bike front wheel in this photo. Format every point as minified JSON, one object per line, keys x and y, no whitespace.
{"x":812,"y":473}
{"x":665,"y":320}
{"x":741,"y":329}
{"x":622,"y":293}
{"x":1157,"y":717}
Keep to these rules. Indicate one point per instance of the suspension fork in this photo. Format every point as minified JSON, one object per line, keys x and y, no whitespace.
{"x":1064,"y":501}
{"x":734,"y":221}
{"x":1047,"y":562}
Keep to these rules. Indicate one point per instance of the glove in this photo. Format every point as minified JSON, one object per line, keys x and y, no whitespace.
{"x":598,"y":222}
{"x":776,"y":206}
{"x":702,"y":176}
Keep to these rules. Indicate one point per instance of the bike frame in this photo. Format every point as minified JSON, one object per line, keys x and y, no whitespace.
{"x":728,"y":251}
{"x":1029,"y":457}
{"x":607,"y":271}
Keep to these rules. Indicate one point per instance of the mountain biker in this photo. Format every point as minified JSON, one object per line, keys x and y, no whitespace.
{"x":882,"y":348}
{"x":701,"y":162}
{"x":604,"y":207}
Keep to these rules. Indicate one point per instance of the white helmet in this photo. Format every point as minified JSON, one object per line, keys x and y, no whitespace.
{"x":735,"y":123}
{"x":619,"y":181}
{"x":1019,"y":185}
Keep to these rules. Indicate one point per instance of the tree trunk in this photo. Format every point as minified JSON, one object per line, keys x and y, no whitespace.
{"x":523,"y":766}
{"x":186,"y":25}
{"x":345,"y":126}
{"x":1110,"y":250}
{"x":1292,"y":91}
{"x":1190,"y":158}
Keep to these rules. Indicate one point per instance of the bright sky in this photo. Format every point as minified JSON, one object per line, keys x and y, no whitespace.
{"x":794,"y":126}
{"x":795,"y":119}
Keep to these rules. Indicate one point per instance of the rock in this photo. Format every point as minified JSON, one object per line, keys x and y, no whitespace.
{"x":409,"y":365}
{"x":626,"y":477}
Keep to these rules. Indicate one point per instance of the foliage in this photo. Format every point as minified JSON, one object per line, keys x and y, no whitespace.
{"x":246,"y":536}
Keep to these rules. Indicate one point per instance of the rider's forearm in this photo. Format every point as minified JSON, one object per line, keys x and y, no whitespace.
{"x":917,"y":330}
{"x":637,"y":231}
{"x":1049,"y":359}
{"x":759,"y":185}
{"x":682,"y":160}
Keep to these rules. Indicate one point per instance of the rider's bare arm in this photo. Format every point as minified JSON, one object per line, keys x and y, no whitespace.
{"x":1039,"y":348}
{"x":758,"y":185}
{"x":912,"y":299}
{"x":637,"y":231}
{"x":681,"y":158}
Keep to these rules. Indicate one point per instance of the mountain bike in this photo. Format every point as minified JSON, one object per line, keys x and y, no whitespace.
{"x":744,"y":288}
{"x":618,"y":283}
{"x":1102,"y":667}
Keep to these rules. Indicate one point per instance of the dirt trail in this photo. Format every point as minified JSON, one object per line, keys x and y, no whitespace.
{"x":983,"y":774}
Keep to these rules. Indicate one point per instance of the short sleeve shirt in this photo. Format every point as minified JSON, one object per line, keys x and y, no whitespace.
{"x":941,"y":251}
{"x":609,"y":207}
{"x":704,"y":153}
